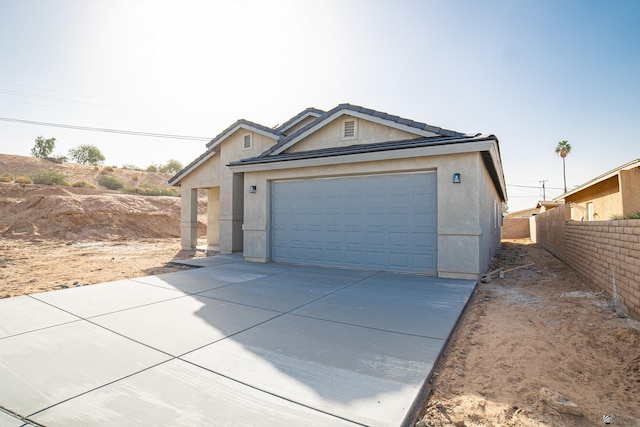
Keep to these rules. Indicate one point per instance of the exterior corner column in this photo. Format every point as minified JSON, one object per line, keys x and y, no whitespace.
{"x":188,"y":218}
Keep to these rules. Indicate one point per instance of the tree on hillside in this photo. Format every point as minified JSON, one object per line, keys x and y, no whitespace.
{"x":43,"y":147}
{"x":87,"y":155}
{"x":563,"y":149}
{"x":172,"y":166}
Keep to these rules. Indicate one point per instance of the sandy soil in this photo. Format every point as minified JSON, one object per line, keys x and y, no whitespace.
{"x":538,"y":347}
{"x":36,"y":265}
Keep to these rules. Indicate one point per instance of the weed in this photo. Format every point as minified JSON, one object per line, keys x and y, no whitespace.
{"x":49,"y":177}
{"x":23,"y":180}
{"x":110,"y":182}
{"x":83,"y":184}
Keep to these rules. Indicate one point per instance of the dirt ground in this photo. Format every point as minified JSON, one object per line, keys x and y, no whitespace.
{"x":35,"y":265}
{"x":538,"y":347}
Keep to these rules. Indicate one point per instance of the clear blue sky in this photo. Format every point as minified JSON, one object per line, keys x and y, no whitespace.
{"x":531,"y":72}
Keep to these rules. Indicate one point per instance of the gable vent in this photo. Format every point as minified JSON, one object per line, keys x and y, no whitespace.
{"x":246,"y":142}
{"x":349,"y":129}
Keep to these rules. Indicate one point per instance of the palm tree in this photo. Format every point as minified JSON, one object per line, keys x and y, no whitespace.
{"x":563,"y":149}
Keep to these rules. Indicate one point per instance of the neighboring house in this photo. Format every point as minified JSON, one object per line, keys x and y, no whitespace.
{"x":614,"y":193}
{"x":541,"y":206}
{"x":350,"y":187}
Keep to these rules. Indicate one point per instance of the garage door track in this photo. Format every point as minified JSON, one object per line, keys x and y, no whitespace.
{"x":231,"y":343}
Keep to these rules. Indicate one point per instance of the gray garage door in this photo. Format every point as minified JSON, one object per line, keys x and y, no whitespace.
{"x":383,"y":222}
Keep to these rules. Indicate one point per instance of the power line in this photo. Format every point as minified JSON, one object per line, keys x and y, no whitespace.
{"x":106,"y":130}
{"x":533,"y":186}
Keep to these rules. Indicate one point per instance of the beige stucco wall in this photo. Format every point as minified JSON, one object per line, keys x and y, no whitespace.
{"x":490,"y":218}
{"x":630,"y":191}
{"x":225,"y":214}
{"x":459,"y":227}
{"x":606,"y":199}
{"x":368,"y":133}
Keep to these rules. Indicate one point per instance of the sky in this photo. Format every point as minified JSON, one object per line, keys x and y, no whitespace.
{"x":531,"y":72}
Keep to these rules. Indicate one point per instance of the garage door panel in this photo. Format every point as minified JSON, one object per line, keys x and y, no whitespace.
{"x":385,"y":222}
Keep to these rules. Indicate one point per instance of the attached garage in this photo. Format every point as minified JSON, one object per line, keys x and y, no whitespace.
{"x":382,"y":222}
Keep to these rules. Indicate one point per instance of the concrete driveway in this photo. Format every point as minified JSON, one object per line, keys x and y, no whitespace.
{"x":231,"y":343}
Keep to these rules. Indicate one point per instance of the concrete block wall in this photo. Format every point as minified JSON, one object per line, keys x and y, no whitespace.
{"x":550,"y":227}
{"x":516,"y":228}
{"x":604,"y":253}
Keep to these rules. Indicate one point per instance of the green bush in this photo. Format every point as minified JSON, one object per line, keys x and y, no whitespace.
{"x":49,"y":177}
{"x":7,"y":177}
{"x":83,"y":184}
{"x":635,"y":215}
{"x":149,"y":190}
{"x":110,"y":182}
{"x":23,"y":180}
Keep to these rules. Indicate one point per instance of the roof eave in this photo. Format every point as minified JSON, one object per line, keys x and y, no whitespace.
{"x":630,"y":165}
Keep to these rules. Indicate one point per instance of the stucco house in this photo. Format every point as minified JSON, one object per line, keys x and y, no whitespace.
{"x":613,"y":193}
{"x":350,"y":187}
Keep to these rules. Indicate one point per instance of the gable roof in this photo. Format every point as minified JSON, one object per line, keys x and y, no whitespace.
{"x":309,"y":112}
{"x":397,"y":122}
{"x":425,"y":139}
{"x":630,"y":165}
{"x":244,"y":124}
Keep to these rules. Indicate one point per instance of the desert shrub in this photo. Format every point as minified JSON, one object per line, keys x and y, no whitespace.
{"x":83,"y":184}
{"x":152,"y":168}
{"x":635,"y":215}
{"x":96,"y":167}
{"x":618,"y":217}
{"x":130,"y":167}
{"x":49,"y":177}
{"x":7,"y":177}
{"x":150,"y":190}
{"x":23,"y":180}
{"x":134,"y":177}
{"x":107,"y":169}
{"x":110,"y":182}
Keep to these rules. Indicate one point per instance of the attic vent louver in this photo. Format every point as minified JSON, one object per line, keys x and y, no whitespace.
{"x":349,"y":129}
{"x":246,"y":143}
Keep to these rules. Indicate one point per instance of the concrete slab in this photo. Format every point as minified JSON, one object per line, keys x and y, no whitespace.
{"x":93,"y":300}
{"x":321,"y":275}
{"x":209,"y":260}
{"x":45,"y":367}
{"x":364,"y":375}
{"x":184,"y":324}
{"x":267,"y":344}
{"x":23,"y":314}
{"x":395,"y":302}
{"x":9,"y":421}
{"x":188,"y":282}
{"x":179,"y":394}
{"x":273,"y":293}
{"x":253,"y":268}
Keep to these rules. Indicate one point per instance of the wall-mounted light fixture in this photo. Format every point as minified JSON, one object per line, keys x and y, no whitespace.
{"x":456,"y":178}
{"x":252,"y":189}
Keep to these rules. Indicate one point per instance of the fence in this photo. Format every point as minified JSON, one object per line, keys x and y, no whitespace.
{"x":604,"y":253}
{"x":516,"y":228}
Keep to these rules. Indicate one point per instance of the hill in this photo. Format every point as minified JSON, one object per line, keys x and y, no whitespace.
{"x":73,"y":172}
{"x":81,"y":214}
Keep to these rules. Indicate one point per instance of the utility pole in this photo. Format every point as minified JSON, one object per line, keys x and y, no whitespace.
{"x":544,"y":192}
